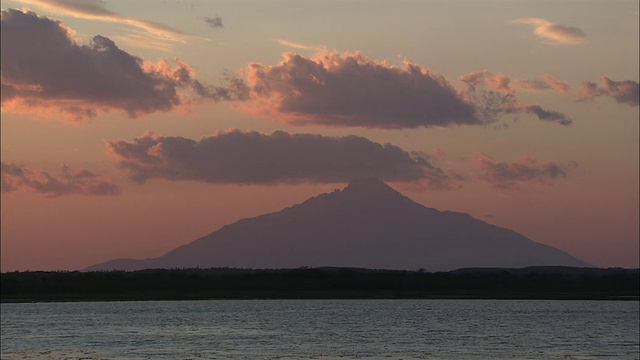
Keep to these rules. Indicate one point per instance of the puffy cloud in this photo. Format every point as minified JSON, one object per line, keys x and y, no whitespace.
{"x":553,"y":33}
{"x":280,"y":157}
{"x":623,"y":92}
{"x":349,"y":89}
{"x":95,"y":10}
{"x":69,"y":182}
{"x":214,"y":22}
{"x":512,"y":176}
{"x":44,"y":69}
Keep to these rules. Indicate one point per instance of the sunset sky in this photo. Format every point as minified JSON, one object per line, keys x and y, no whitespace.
{"x":132,"y":127}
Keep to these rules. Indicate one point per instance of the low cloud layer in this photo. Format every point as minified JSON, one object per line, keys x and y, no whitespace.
{"x":254,"y":158}
{"x":554,"y":33}
{"x":69,"y":182}
{"x":516,"y":175}
{"x":623,"y":92}
{"x":44,"y":70}
{"x":349,"y":89}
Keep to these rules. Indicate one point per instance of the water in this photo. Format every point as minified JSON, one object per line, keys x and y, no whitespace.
{"x":322,"y":329}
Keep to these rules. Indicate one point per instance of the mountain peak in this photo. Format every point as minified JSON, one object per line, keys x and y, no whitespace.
{"x":366,"y":225}
{"x":370,"y":187}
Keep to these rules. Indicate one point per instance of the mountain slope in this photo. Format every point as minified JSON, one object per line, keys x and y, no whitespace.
{"x":367,"y":225}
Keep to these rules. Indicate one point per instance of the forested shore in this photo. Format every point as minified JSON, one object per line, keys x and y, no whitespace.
{"x":321,"y":283}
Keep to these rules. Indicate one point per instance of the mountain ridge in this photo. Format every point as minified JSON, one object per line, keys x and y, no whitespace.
{"x":367,"y":224}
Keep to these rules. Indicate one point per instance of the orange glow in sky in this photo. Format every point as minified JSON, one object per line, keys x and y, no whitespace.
{"x":131,"y":128}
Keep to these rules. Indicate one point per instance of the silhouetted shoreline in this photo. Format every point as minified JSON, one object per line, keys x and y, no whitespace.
{"x":553,"y":283}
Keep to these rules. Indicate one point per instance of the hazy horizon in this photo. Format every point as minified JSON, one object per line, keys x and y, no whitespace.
{"x":132,"y":128}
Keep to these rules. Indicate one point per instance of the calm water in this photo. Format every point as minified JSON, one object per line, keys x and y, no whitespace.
{"x":322,"y":329}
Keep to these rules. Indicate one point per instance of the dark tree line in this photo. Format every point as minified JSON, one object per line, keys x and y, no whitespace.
{"x":530,"y":283}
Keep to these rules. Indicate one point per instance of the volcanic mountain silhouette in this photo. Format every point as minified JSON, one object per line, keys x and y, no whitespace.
{"x":366,"y":225}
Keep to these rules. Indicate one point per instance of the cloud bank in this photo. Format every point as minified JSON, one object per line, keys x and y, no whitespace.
{"x":349,"y":89}
{"x":45,"y":70}
{"x":82,"y":182}
{"x":254,"y":158}
{"x":553,"y":33}
{"x":513,"y":176}
{"x":623,"y":92}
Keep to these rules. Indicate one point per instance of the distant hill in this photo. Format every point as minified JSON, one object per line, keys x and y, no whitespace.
{"x":366,"y":225}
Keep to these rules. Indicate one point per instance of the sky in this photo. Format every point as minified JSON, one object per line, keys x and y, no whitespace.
{"x":132,"y":127}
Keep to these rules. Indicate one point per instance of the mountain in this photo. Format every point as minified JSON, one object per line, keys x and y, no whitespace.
{"x":366,"y":225}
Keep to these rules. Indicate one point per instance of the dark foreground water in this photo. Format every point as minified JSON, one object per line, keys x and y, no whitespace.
{"x":322,"y":329}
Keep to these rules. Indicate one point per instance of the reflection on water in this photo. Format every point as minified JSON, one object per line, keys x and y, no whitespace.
{"x":322,"y":329}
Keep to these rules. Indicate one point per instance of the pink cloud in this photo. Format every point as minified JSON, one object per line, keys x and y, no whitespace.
{"x":560,"y":85}
{"x":47,"y":72}
{"x":349,"y":89}
{"x":95,"y":10}
{"x":554,"y":33}
{"x":296,"y":45}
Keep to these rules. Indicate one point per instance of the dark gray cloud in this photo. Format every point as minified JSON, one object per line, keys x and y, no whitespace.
{"x":548,"y":115}
{"x":344,"y":89}
{"x":623,"y":92}
{"x":255,"y":158}
{"x":214,"y":22}
{"x":44,"y":69}
{"x":69,"y":182}
{"x":511,"y":176}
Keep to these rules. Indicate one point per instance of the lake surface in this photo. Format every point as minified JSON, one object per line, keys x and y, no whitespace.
{"x":322,"y":329}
